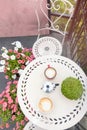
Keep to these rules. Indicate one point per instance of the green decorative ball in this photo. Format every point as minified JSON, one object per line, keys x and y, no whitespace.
{"x":72,"y":88}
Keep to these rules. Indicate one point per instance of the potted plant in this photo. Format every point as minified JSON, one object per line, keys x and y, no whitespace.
{"x":13,"y":61}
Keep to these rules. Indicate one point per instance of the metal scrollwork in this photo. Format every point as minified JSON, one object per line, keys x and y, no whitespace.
{"x":56,"y":5}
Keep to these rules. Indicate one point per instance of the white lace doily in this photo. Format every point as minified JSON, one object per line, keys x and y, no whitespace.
{"x":65,"y":113}
{"x":47,"y":46}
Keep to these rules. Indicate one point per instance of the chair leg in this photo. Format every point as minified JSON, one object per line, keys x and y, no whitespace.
{"x":77,"y":127}
{"x":85,"y":115}
{"x":80,"y":126}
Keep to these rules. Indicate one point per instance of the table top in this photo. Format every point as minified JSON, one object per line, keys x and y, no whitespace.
{"x":47,"y":46}
{"x":65,"y":112}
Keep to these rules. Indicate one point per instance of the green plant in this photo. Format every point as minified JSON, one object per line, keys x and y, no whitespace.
{"x":72,"y":88}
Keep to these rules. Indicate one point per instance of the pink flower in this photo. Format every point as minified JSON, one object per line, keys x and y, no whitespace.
{"x":25,"y":50}
{"x":15,"y":82}
{"x":23,"y":61}
{"x":7,"y":63}
{"x":1,"y":127}
{"x":2,"y":94}
{"x":14,"y":129}
{"x":15,"y":51}
{"x":17,"y":125}
{"x":18,"y":56}
{"x":7,"y":90}
{"x":26,"y":119}
{"x":12,"y":106}
{"x":7,"y":95}
{"x":10,"y":50}
{"x":15,"y":108}
{"x":4,"y":104}
{"x":27,"y":57}
{"x":1,"y":101}
{"x":9,"y":106}
{"x":32,"y":57}
{"x":5,"y":70}
{"x":6,"y":77}
{"x":19,"y":61}
{"x":22,"y":67}
{"x":13,"y":117}
{"x":16,"y":100}
{"x":7,"y":125}
{"x":30,"y":49}
{"x":18,"y":113}
{"x":22,"y":122}
{"x":14,"y":71}
{"x":4,"y":109}
{"x":10,"y":100}
{"x":14,"y":90}
{"x":7,"y":87}
{"x":8,"y":83}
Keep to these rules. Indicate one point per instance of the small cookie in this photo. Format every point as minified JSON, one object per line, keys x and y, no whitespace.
{"x":45,"y":104}
{"x":50,"y":73}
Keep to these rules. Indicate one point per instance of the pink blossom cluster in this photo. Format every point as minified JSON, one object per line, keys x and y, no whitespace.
{"x":9,"y":103}
{"x":18,"y":59}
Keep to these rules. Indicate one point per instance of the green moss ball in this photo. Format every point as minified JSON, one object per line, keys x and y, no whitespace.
{"x":72,"y":88}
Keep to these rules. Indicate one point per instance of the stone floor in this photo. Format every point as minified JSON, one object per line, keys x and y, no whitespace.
{"x":28,"y":42}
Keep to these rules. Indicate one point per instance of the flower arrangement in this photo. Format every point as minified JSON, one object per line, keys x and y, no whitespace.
{"x":13,"y":61}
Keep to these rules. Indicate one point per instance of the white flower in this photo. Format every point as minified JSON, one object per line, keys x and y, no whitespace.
{"x":14,"y":76}
{"x":13,"y":43}
{"x":15,"y":48}
{"x":6,"y":51}
{"x":18,"y":44}
{"x":17,"y":68}
{"x":23,"y":54}
{"x":8,"y":68}
{"x":4,"y":55}
{"x":2,"y":62}
{"x":20,"y":71}
{"x":3,"y":48}
{"x":2,"y":68}
{"x":12,"y":57}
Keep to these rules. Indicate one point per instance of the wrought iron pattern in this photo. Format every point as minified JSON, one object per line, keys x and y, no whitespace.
{"x":56,"y":14}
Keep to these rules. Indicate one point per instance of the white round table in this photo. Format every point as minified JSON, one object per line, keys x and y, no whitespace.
{"x":65,"y":113}
{"x":47,"y":46}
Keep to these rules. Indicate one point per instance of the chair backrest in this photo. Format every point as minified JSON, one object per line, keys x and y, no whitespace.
{"x":59,"y":15}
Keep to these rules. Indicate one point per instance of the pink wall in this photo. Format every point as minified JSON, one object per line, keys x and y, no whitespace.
{"x":17,"y":17}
